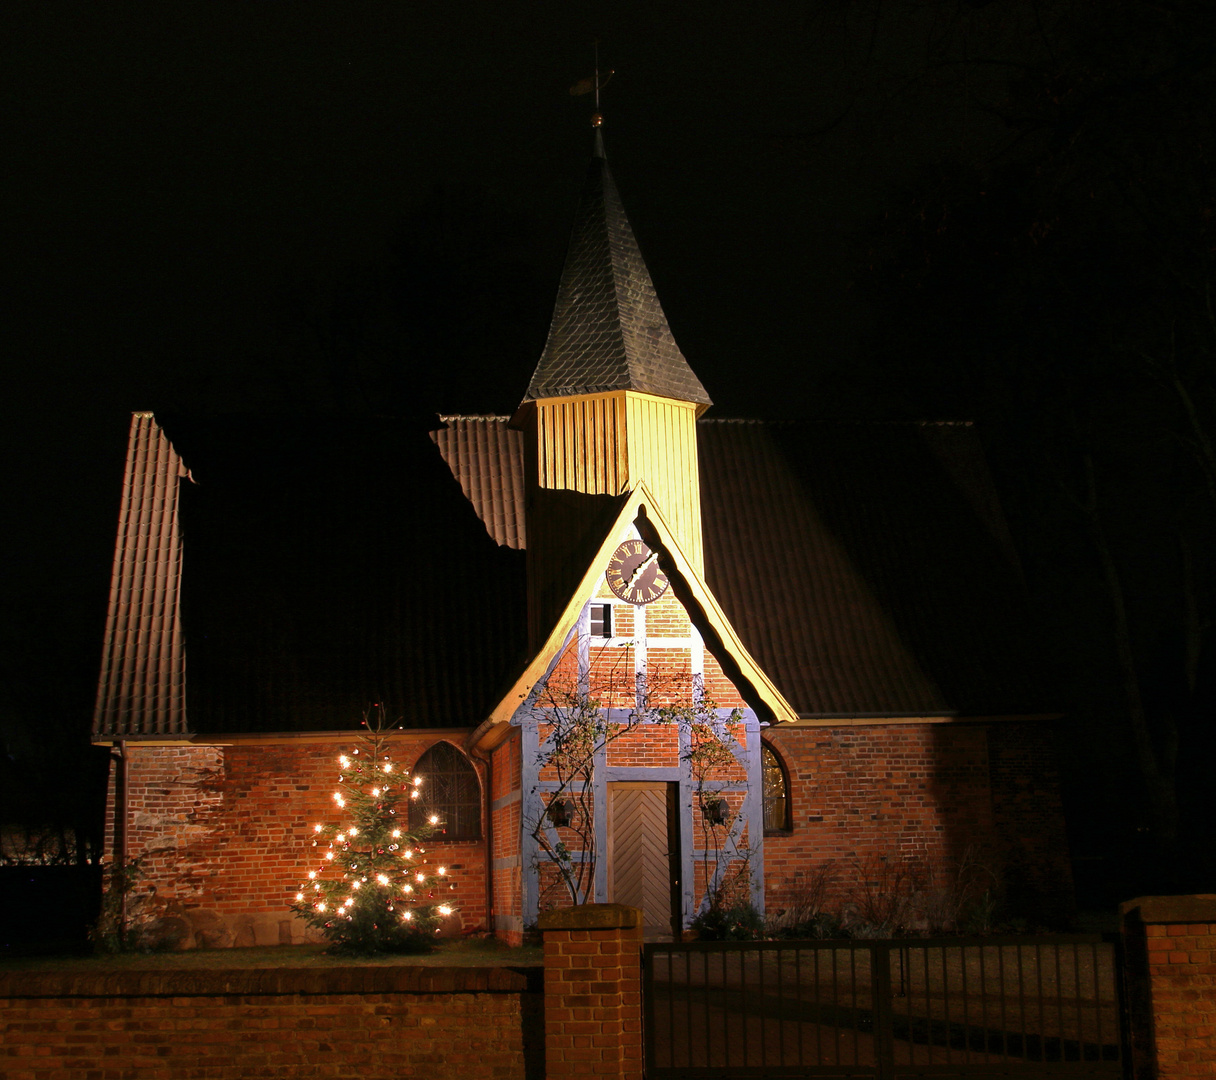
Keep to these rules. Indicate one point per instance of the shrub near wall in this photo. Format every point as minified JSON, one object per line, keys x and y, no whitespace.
{"x":466,"y":1023}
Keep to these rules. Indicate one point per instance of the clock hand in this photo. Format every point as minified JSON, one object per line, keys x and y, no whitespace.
{"x":641,"y":566}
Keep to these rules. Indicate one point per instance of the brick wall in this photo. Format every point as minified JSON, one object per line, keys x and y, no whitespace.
{"x":611,"y":676}
{"x":225,"y":835}
{"x":462,"y":1023}
{"x":507,"y":914}
{"x":666,"y":617}
{"x":718,"y":688}
{"x":925,"y":795}
{"x":650,"y":746}
{"x":1170,"y":950}
{"x":1028,"y":819}
{"x":593,"y":992}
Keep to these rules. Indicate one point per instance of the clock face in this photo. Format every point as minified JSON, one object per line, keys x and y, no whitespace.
{"x":634,"y":574}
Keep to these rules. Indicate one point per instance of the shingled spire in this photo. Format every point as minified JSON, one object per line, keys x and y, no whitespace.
{"x":612,"y":405}
{"x":609,"y":331}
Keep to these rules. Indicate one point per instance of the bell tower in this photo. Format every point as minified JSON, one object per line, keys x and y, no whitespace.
{"x":612,"y":402}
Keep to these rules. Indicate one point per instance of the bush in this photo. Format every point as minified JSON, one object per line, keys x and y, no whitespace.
{"x":824,"y":926}
{"x":808,"y":912}
{"x":889,"y":896}
{"x":738,"y":922}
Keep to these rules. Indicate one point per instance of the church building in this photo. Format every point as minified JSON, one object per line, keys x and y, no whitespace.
{"x":636,"y":653}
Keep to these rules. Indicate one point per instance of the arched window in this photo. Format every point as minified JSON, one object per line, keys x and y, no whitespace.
{"x":449,"y":790}
{"x":776,"y":791}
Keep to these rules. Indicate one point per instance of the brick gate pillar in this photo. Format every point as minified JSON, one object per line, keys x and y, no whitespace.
{"x":593,"y":991}
{"x":1170,"y":950}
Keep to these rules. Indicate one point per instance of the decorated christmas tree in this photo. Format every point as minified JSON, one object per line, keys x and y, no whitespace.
{"x":370,"y":888}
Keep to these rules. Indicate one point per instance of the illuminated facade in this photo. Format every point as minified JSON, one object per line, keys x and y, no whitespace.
{"x":793,"y":652}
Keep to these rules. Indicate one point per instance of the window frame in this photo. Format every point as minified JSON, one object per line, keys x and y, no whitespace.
{"x":787,"y":826}
{"x":421,"y":808}
{"x":606,"y":620}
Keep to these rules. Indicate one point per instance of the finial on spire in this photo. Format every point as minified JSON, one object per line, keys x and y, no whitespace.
{"x":594,"y":85}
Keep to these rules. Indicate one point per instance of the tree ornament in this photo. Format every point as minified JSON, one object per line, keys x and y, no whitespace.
{"x":367,"y":874}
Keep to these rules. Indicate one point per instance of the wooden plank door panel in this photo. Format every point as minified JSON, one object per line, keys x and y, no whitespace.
{"x":640,"y":862}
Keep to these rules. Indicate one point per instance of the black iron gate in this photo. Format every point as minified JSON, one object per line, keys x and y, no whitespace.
{"x":982,"y":1007}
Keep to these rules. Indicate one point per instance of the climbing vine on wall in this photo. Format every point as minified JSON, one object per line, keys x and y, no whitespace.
{"x":576,"y":729}
{"x":711,"y":761}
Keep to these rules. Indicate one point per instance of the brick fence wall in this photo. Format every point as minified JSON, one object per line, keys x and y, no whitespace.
{"x":490,"y":1022}
{"x":458,"y":1023}
{"x":593,"y":992}
{"x":1170,"y":948}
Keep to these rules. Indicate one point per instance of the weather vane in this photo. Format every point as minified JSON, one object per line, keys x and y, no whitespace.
{"x":587,"y":86}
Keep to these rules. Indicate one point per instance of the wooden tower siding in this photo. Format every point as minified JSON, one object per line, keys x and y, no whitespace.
{"x":606,"y":444}
{"x":601,"y":445}
{"x":663,"y":453}
{"x":581,"y":444}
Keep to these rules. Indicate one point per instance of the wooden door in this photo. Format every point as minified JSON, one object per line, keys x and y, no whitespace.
{"x":643,"y":853}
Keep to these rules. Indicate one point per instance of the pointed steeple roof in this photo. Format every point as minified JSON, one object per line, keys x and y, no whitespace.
{"x":608,"y":330}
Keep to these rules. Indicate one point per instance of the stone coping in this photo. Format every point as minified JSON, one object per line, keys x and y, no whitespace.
{"x":590,"y":917}
{"x":399,"y":979}
{"x":1195,"y":908}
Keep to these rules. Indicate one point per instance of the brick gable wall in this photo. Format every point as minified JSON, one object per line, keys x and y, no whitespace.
{"x":506,"y":915}
{"x":225,"y":830}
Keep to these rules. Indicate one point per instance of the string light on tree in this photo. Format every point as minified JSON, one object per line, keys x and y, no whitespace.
{"x":369,"y":893}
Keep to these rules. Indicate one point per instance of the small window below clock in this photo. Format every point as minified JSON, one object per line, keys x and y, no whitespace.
{"x":601,"y":620}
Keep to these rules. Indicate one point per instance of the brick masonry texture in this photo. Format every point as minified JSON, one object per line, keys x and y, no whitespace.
{"x":718,"y":688}
{"x":593,"y":998}
{"x":929,"y":794}
{"x":507,"y":913}
{"x":225,"y":831}
{"x":225,"y":834}
{"x":462,"y":1023}
{"x":1171,"y":984}
{"x":654,"y":745}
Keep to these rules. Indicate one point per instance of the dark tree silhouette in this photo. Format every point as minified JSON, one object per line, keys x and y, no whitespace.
{"x":1061,"y":293}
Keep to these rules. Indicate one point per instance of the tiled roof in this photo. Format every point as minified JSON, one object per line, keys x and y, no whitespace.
{"x":608,"y":330}
{"x":331,"y":563}
{"x":486,"y":456}
{"x":142,"y":685}
{"x":867,"y":567}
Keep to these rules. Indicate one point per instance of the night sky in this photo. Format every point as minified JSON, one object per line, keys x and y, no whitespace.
{"x":200,"y":197}
{"x":188,"y":184}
